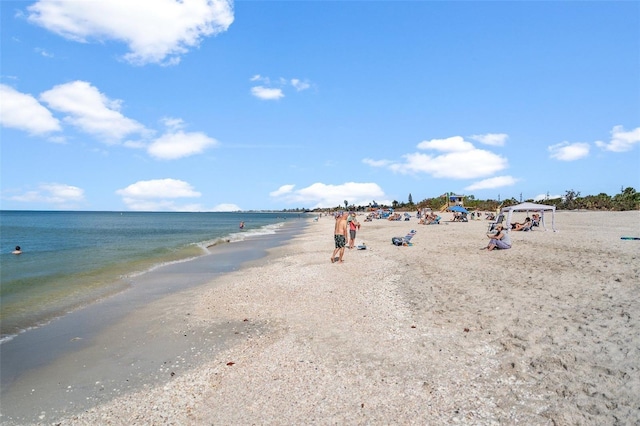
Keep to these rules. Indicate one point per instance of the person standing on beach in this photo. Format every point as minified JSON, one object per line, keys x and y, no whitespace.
{"x":340,"y":237}
{"x":354,"y":225}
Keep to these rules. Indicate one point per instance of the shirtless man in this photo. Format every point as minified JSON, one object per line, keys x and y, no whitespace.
{"x":340,"y":237}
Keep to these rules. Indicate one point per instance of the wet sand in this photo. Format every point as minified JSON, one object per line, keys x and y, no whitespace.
{"x":438,"y":332}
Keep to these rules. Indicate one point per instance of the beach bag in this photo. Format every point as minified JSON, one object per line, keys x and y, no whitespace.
{"x":398,"y":241}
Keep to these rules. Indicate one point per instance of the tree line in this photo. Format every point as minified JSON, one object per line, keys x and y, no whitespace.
{"x":627,"y":199}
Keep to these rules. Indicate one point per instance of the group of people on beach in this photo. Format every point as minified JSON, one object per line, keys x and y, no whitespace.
{"x":347,"y":225}
{"x":345,"y":228}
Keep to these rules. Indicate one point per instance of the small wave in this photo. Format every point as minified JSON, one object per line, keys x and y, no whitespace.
{"x":243,"y":235}
{"x":156,"y":266}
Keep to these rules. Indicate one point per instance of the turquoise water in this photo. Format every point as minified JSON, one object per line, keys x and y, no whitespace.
{"x":71,"y":259}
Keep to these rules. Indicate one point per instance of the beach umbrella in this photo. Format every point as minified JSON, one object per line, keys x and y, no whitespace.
{"x":457,"y":209}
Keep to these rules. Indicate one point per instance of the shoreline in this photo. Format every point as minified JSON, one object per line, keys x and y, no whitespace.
{"x":433,"y":333}
{"x":42,"y":364}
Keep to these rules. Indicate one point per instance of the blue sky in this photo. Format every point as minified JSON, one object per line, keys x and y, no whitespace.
{"x":215,"y":105}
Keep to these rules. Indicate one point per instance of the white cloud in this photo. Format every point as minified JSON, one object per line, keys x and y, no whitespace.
{"x":543,"y":197}
{"x":320,"y":195}
{"x":44,"y":53}
{"x":284,"y":189}
{"x":376,"y":163}
{"x":266,"y":93}
{"x":91,"y":111}
{"x":299,"y":85}
{"x":274,"y":89}
{"x":226,"y":208}
{"x":158,"y":195}
{"x":494,"y":182}
{"x":173,"y":124}
{"x":455,"y":165}
{"x":54,"y":193}
{"x":493,"y":139}
{"x":452,"y":144}
{"x":171,"y":146}
{"x":24,"y":112}
{"x":566,"y":151}
{"x":621,"y":140}
{"x":159,"y":188}
{"x":155,"y":32}
{"x":459,"y":160}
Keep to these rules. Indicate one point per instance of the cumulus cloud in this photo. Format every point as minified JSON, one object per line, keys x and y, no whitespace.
{"x":155,"y":32}
{"x":171,"y":146}
{"x":621,"y":140}
{"x":491,"y":183}
{"x":493,"y":139}
{"x":320,"y":195}
{"x":159,"y":195}
{"x":266,"y":93}
{"x":284,"y":189}
{"x":226,"y":208}
{"x":60,"y":194}
{"x":22,"y":111}
{"x":566,"y":151}
{"x":91,"y":111}
{"x":455,"y":158}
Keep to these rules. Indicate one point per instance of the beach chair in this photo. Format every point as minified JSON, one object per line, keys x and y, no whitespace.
{"x":495,"y":223}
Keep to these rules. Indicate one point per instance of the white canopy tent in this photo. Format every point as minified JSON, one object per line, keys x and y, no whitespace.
{"x":531,"y":207}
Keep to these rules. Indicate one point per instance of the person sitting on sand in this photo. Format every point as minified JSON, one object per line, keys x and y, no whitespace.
{"x":521,"y":226}
{"x":500,"y":240}
{"x":535,"y":220}
{"x":18,"y":250}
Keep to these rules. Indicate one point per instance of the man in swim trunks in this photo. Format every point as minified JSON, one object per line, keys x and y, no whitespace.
{"x":340,"y":237}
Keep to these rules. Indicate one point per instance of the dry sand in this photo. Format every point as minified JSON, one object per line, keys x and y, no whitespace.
{"x":439,"y":332}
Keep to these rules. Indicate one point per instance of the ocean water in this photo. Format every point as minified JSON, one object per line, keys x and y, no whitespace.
{"x":71,"y":259}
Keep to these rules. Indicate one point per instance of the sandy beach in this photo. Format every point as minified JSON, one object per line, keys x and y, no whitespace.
{"x":439,"y":332}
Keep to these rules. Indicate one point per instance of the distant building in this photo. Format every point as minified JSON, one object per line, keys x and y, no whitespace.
{"x":456,"y":200}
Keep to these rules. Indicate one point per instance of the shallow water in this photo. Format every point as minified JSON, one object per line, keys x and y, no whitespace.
{"x":71,"y":259}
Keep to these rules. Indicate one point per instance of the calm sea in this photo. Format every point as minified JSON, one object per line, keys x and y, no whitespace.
{"x":71,"y":259}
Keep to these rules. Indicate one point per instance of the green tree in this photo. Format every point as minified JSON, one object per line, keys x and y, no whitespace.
{"x":628,"y":199}
{"x":571,"y":199}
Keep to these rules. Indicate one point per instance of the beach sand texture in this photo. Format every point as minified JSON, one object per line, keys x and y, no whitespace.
{"x":439,"y":332}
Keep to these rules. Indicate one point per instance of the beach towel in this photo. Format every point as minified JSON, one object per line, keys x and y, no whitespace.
{"x":403,"y":241}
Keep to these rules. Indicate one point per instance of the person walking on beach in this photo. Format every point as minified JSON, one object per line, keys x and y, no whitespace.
{"x":340,"y":237}
{"x":500,"y":240}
